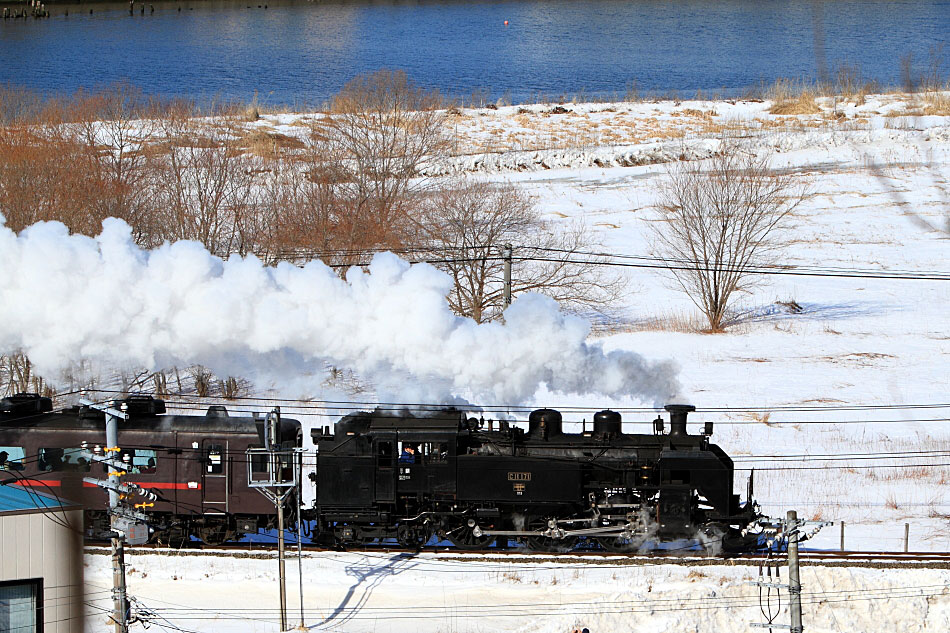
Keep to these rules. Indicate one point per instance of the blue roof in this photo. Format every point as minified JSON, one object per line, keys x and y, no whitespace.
{"x":17,"y":499}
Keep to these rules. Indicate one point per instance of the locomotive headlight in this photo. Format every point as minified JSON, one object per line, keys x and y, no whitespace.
{"x":708,"y":430}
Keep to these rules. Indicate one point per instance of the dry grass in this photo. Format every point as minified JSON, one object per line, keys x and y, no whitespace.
{"x":687,"y":323}
{"x":266,"y":144}
{"x":804,"y":103}
{"x":936,"y":103}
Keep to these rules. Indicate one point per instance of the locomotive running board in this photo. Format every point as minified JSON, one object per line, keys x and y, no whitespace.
{"x":606,"y":531}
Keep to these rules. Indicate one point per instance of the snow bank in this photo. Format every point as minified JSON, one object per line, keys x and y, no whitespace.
{"x":431,"y":593}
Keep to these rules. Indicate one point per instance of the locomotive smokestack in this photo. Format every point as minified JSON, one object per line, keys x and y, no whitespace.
{"x":678,"y":413}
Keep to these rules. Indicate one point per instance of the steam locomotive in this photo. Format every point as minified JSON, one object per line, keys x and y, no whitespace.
{"x":384,"y":475}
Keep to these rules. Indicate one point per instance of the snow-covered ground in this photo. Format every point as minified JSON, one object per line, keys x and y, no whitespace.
{"x":879,"y":178}
{"x":437,"y":593}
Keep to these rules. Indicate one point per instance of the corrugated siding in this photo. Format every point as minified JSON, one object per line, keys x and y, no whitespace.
{"x":34,"y":546}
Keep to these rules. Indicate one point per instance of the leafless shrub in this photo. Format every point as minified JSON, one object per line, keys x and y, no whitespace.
{"x":204,"y":185}
{"x":16,"y":376}
{"x":465,"y":228}
{"x":160,"y":384}
{"x":202,"y":377}
{"x":231,"y":388}
{"x":720,"y":219}
{"x":381,"y":128}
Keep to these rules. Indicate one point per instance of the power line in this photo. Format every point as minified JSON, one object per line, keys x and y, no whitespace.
{"x":400,"y":406}
{"x":574,"y":256}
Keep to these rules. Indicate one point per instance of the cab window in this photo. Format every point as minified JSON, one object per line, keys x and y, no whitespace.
{"x":384,"y":454}
{"x":435,"y":452}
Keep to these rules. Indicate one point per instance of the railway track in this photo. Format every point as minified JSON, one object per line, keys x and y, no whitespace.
{"x":824,"y":558}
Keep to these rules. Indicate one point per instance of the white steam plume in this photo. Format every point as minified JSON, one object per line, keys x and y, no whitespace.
{"x":68,"y":297}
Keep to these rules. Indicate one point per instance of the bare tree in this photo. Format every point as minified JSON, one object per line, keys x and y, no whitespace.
{"x":720,"y":219}
{"x":204,"y":185}
{"x":16,"y":376}
{"x":115,"y":137}
{"x":380,"y":130}
{"x":464,"y":229}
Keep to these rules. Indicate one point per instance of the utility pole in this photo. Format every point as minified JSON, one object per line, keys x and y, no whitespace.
{"x":273,"y":483}
{"x":303,"y":626}
{"x":507,"y":256}
{"x":794,"y":575}
{"x":125,"y":524}
{"x":120,"y":601}
{"x":790,"y":532}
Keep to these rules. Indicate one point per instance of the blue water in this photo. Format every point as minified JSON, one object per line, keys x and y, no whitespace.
{"x":302,"y":52}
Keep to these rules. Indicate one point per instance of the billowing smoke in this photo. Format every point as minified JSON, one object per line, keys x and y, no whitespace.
{"x":68,"y":297}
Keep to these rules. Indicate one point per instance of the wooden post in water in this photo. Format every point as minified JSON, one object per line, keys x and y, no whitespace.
{"x":842,"y":536}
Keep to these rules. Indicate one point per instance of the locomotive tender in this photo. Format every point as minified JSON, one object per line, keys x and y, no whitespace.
{"x":396,"y":475}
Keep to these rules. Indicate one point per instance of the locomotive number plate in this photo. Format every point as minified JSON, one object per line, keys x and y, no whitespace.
{"x":519,"y":476}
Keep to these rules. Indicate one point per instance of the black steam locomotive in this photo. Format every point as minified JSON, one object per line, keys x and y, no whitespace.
{"x":394,"y":475}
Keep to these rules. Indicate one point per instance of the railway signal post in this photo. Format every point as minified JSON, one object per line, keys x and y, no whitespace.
{"x":273,"y":472}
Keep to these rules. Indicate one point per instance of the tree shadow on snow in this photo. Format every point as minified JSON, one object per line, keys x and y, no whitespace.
{"x":793,"y":310}
{"x":368,"y":573}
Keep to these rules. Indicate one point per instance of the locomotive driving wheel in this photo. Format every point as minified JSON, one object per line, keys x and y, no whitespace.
{"x":547,"y":543}
{"x":462,"y":534}
{"x":622,"y":544}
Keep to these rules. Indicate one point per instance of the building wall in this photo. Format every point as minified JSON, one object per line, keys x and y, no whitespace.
{"x":33,"y":545}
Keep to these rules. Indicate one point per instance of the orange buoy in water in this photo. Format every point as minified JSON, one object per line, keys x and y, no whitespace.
{"x":506,"y":22}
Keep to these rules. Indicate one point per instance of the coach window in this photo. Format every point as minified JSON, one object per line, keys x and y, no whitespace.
{"x":215,"y":461}
{"x":11,"y":457}
{"x":142,"y":461}
{"x":63,"y":460}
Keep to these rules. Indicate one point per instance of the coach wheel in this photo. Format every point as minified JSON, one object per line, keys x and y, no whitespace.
{"x":215,"y":534}
{"x":175,"y":537}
